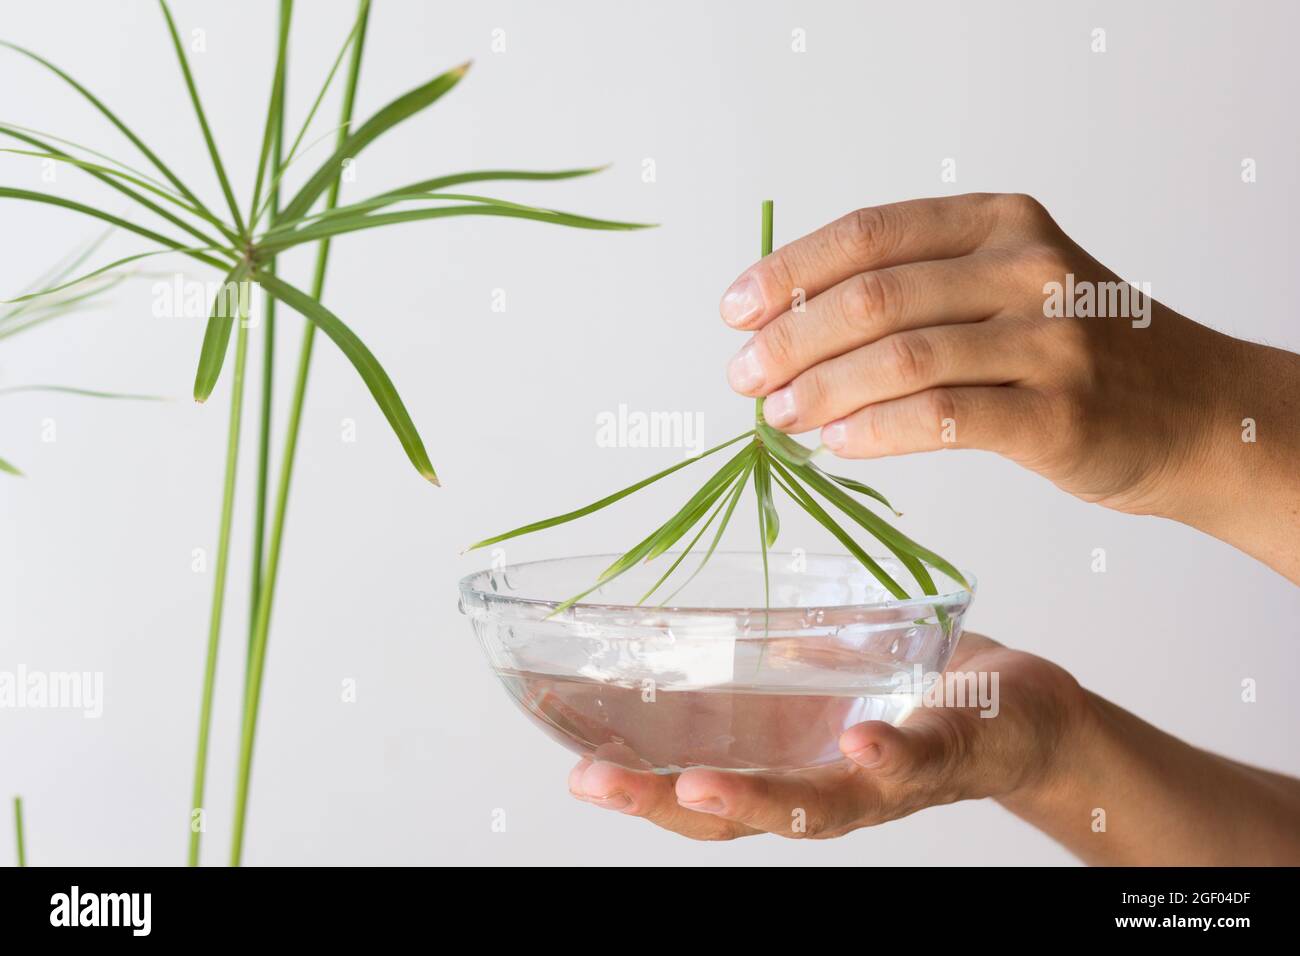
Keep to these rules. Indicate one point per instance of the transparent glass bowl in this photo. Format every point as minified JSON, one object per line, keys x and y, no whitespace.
{"x":711,"y":679}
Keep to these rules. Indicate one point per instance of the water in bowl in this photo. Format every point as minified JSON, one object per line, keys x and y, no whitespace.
{"x":732,"y":726}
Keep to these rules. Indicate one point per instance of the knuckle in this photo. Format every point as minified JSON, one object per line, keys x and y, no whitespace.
{"x":1069,"y":357}
{"x":1045,"y":439}
{"x":1039,"y":263}
{"x":874,"y":426}
{"x":814,"y":390}
{"x":1021,"y":207}
{"x":861,"y":235}
{"x":779,"y":343}
{"x":1069,"y":421}
{"x":940,"y":407}
{"x":910,"y":357}
{"x":872,"y":299}
{"x":775,"y":276}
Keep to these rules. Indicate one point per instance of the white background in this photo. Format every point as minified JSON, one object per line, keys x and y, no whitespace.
{"x":1136,"y":151}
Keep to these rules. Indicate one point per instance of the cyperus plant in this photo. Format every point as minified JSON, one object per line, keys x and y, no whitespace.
{"x":767,"y":457}
{"x":243,"y":243}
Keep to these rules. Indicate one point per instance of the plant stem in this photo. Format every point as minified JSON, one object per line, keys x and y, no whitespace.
{"x":18,"y":831}
{"x":268,"y":340}
{"x":219,"y":581}
{"x":262,"y":623}
{"x":766,"y":250}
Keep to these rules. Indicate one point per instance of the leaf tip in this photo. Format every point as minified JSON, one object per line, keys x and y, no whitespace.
{"x":460,"y":71}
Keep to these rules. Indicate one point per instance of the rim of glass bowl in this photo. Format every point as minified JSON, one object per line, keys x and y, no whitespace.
{"x":479,"y":597}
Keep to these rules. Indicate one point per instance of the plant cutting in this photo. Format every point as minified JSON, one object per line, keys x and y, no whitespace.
{"x":711,"y":680}
{"x":766,"y":457}
{"x":242,"y":242}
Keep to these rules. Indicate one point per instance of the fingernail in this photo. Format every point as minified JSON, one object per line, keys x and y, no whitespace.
{"x":868,"y":756}
{"x":708,"y":805}
{"x":744,"y":372}
{"x":742,"y":303}
{"x":778,"y":408}
{"x":613,"y":801}
{"x":834,"y":435}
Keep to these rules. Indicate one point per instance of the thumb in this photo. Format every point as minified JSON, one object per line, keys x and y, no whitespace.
{"x":931,"y":750}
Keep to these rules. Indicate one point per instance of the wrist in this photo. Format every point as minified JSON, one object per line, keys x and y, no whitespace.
{"x":1240,"y":481}
{"x":1046,"y":794}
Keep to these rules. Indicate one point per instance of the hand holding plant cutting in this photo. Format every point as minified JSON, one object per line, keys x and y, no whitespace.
{"x":927,"y":315}
{"x":975,"y":322}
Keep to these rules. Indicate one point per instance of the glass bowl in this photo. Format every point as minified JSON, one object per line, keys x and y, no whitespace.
{"x":711,"y":679}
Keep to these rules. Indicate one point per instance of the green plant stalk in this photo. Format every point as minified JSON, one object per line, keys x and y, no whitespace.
{"x":765,"y":251}
{"x":219,"y":580}
{"x":261,"y":626}
{"x":18,"y":831}
{"x":268,"y":334}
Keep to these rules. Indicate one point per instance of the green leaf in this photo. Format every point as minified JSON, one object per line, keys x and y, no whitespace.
{"x":397,"y":111}
{"x":29,"y":196}
{"x":334,"y":227}
{"x":603,"y":502}
{"x":762,"y":538}
{"x":37,"y":312}
{"x":861,"y":489}
{"x":379,"y":202}
{"x":39,"y":138}
{"x":494,"y":175}
{"x":356,"y":36}
{"x":713,"y":545}
{"x":97,"y":272}
{"x":805,"y":500}
{"x":60,"y":270}
{"x":700,"y":502}
{"x":782,"y":445}
{"x":428,"y":189}
{"x":112,"y":118}
{"x":372,"y":373}
{"x":907,"y":550}
{"x":84,"y":392}
{"x":9,"y":469}
{"x":275,"y":109}
{"x":216,"y":336}
{"x":213,"y":152}
{"x":117,"y":178}
{"x":725,"y":496}
{"x":770,"y":522}
{"x":673,"y":528}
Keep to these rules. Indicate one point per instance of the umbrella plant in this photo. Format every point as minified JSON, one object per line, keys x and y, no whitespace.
{"x":767,"y":457}
{"x":242,"y":242}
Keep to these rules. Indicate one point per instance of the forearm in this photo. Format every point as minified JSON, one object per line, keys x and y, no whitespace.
{"x":1126,"y":793}
{"x":1243,"y":486}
